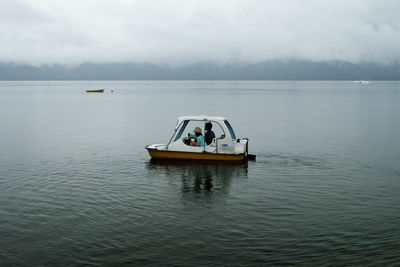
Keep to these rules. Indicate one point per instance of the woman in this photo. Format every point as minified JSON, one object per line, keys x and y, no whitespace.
{"x":198,"y":138}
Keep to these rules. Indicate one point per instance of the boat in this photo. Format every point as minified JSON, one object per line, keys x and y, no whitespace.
{"x":223,"y":147}
{"x":95,"y":91}
{"x":362,"y":82}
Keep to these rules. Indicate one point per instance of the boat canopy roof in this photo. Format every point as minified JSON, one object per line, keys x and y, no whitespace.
{"x":201,"y":118}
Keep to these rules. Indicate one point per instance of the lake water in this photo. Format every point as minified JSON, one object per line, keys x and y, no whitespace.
{"x":77,"y":186}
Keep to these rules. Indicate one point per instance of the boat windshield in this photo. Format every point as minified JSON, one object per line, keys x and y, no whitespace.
{"x":185,"y":123}
{"x":230,"y":129}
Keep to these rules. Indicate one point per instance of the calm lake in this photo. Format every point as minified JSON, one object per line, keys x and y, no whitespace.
{"x":77,"y":186}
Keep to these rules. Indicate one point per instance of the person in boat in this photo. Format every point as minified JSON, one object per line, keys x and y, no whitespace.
{"x":209,"y":135}
{"x":198,"y":138}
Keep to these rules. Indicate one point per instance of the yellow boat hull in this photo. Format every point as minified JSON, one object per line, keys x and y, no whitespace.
{"x":158,"y":154}
{"x":95,"y":91}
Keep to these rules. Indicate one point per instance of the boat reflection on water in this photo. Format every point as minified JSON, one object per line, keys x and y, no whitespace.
{"x":200,"y":177}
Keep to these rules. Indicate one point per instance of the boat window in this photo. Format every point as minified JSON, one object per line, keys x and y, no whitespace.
{"x":185,"y":123}
{"x":218,"y":131}
{"x":188,"y":126}
{"x":230,"y":129}
{"x":191,"y":126}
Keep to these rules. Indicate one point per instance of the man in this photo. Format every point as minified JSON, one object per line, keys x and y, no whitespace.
{"x":209,"y":134}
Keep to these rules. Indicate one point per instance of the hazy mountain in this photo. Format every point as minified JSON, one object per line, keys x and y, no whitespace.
{"x":267,"y":70}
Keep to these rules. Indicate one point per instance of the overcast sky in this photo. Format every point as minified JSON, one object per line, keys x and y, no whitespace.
{"x":186,"y":31}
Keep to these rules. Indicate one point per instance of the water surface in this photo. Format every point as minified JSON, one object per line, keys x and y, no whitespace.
{"x":77,"y":186}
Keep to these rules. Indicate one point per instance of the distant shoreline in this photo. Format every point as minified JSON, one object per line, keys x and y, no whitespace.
{"x":271,"y":70}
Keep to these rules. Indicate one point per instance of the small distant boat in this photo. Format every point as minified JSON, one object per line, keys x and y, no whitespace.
{"x":95,"y":91}
{"x":362,"y":82}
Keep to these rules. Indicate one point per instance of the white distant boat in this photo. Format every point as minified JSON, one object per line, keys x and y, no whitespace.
{"x":362,"y":82}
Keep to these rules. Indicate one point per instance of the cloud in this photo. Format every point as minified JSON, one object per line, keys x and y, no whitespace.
{"x":179,"y":32}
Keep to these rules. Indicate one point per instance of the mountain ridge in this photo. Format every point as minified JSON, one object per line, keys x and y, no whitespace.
{"x":265,"y":70}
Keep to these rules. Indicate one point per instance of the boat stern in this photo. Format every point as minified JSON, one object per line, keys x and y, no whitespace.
{"x":241,"y":146}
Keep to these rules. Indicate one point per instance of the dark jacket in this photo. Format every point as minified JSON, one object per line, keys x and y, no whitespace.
{"x":209,"y":136}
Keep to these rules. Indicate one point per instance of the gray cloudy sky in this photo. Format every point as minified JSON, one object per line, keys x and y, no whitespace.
{"x":175,"y":32}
